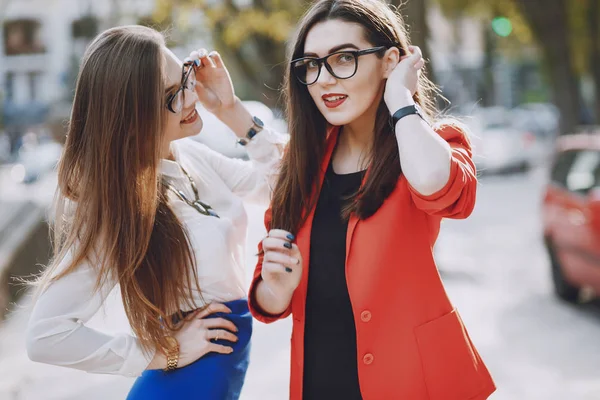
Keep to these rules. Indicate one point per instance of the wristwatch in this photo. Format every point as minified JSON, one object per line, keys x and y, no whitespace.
{"x":408,"y":110}
{"x":257,"y":126}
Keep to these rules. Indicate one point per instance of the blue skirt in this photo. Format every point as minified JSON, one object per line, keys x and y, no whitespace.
{"x":213,"y":377}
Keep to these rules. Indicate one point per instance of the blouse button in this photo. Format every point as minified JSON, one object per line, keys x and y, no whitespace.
{"x":365,"y":316}
{"x":368,"y":359}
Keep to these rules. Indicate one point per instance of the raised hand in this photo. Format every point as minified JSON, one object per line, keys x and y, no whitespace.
{"x":401,"y":85}
{"x":213,"y":83}
{"x":282,"y":263}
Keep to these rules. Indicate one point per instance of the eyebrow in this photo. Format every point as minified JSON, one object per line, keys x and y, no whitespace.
{"x":334,"y":49}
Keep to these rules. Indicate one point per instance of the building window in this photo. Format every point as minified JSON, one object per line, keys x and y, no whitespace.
{"x":23,"y":37}
{"x":34,"y":80}
{"x":10,"y":86}
{"x":86,"y":27}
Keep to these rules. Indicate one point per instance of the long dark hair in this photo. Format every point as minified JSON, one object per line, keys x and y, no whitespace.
{"x":110,"y":207}
{"x":295,"y":191}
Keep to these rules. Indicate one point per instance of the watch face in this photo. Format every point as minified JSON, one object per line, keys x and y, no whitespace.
{"x":258,"y":121}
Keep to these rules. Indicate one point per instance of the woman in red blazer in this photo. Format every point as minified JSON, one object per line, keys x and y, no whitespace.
{"x":366,"y":179}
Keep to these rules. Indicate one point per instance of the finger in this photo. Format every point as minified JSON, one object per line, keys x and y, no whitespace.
{"x":416,"y":54}
{"x":415,"y":49}
{"x":205,"y":59}
{"x":295,"y":253}
{"x":219,"y":323}
{"x":217,"y":348}
{"x":281,"y":234}
{"x":275,"y":268}
{"x":212,"y":309}
{"x":194,"y":55}
{"x":420,"y":64}
{"x":280,"y":258}
{"x":274,"y":244}
{"x":221,"y":334}
{"x":216,"y":57}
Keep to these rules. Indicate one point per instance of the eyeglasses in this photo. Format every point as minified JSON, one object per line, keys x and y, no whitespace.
{"x":341,"y":64}
{"x":176,"y":100}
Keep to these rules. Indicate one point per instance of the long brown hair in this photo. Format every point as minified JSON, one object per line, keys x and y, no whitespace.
{"x":297,"y":183}
{"x":110,"y":208}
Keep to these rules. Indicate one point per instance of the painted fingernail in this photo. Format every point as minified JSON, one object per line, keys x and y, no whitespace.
{"x":290,"y":237}
{"x":287,"y":245}
{"x":288,"y":269}
{"x":197,"y":62}
{"x":294,"y":260}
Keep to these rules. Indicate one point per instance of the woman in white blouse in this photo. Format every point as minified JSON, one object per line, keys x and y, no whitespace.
{"x":161,"y":217}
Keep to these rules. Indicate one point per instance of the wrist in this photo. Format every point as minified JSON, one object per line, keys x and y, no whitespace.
{"x":402,"y":99}
{"x":225,"y":110}
{"x":236,"y":117}
{"x":159,"y":361}
{"x":278,"y":300}
{"x":172,"y":354}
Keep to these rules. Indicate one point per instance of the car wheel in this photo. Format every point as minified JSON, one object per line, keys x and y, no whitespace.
{"x":562,"y":287}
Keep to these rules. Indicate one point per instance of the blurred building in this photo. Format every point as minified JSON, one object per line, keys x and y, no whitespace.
{"x":41,"y":43}
{"x":472,"y":65}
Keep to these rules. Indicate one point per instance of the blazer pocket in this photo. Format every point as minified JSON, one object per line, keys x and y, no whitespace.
{"x":450,"y":364}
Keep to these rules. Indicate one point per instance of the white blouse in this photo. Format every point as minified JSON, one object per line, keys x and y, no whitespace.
{"x":57,"y":333}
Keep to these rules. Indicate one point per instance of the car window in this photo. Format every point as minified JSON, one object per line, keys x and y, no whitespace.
{"x":561,"y":167}
{"x":582,"y":174}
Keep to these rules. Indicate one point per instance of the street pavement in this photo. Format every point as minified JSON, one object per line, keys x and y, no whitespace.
{"x":495,"y":271}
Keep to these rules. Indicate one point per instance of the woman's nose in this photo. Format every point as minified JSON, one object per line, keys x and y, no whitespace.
{"x":325,"y":77}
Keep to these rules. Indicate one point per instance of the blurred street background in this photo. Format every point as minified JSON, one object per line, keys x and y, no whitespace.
{"x":524,"y":269}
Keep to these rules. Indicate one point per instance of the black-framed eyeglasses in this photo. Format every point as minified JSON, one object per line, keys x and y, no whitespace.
{"x":176,"y":100}
{"x":341,"y":64}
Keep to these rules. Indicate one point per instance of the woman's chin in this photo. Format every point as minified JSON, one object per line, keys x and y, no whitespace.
{"x":192,"y":129}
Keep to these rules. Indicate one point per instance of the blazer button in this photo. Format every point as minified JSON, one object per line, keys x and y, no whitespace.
{"x":368,"y":359}
{"x":365,"y":316}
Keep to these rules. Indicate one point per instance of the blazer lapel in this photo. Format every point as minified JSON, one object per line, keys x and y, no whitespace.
{"x":352,"y":226}
{"x":303,"y":240}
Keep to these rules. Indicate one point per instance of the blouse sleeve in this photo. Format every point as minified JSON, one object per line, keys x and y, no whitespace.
{"x":57,"y":333}
{"x":252,"y":179}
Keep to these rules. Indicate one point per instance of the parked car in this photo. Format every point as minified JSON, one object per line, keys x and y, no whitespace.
{"x":540,"y":122}
{"x":216,"y":135}
{"x":571,"y":216}
{"x":498,"y":144}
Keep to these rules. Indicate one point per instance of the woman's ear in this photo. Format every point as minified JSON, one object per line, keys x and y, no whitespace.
{"x":391,"y":58}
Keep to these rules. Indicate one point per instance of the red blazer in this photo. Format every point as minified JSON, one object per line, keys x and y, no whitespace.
{"x":411,"y":341}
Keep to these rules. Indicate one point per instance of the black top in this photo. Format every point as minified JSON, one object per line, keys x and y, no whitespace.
{"x":330,"y":360}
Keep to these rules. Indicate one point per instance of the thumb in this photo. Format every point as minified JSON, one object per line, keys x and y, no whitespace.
{"x":205,"y":96}
{"x":415,"y":55}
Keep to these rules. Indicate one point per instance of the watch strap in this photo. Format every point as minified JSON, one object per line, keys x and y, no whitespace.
{"x":405,"y":111}
{"x":257,"y":126}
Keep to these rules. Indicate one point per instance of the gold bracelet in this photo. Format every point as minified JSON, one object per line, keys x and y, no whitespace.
{"x":172,"y":354}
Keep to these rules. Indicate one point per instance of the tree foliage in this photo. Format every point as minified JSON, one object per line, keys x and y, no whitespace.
{"x":563,"y":30}
{"x":251,"y":36}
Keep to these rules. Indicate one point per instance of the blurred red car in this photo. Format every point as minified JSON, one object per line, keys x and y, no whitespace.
{"x":571,"y":216}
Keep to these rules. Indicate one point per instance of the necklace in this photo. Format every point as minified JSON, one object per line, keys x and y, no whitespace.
{"x":198,"y":205}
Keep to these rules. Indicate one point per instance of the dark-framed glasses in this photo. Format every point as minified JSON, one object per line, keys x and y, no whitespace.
{"x":341,"y":64}
{"x":175,"y":101}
